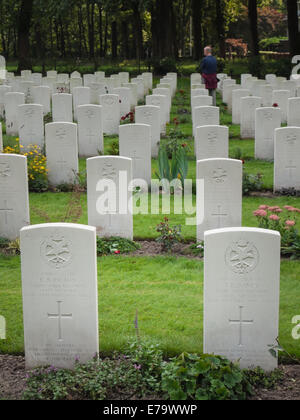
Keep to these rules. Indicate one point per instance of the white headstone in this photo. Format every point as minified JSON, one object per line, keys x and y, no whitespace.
{"x":281,"y":97}
{"x":115,"y":217}
{"x":110,"y":113}
{"x":61,"y":152}
{"x":236,"y":104}
{"x":42,"y":96}
{"x":219,"y":194}
{"x":289,"y":85}
{"x":150,"y":115}
{"x":160,"y":101}
{"x":124,"y":98}
{"x":3,"y":90}
{"x":211,"y":141}
{"x":75,"y":75}
{"x":81,"y":96}
{"x":205,"y":115}
{"x":203,"y":100}
{"x":1,"y":139}
{"x":241,"y":295}
{"x":266,"y":121}
{"x":11,"y":102}
{"x":89,"y":79}
{"x":135,"y":143}
{"x":14,"y":200}
{"x":287,"y":159}
{"x":90,"y":130}
{"x":248,"y":108}
{"x":31,"y":125}
{"x":97,"y":89}
{"x":26,"y":88}
{"x":52,"y":73}
{"x":62,"y":107}
{"x":293,"y":117}
{"x":60,"y":294}
{"x":133,"y":91}
{"x":74,"y":83}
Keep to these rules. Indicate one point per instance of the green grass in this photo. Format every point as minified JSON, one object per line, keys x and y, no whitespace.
{"x":167,"y":292}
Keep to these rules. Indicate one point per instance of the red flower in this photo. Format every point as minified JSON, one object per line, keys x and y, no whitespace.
{"x":184,"y":145}
{"x":275,"y":105}
{"x":123,"y":118}
{"x":117,"y":252}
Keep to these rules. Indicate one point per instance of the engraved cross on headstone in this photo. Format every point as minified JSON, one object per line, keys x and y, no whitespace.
{"x":59,"y":316}
{"x":6,"y":210}
{"x":241,"y":322}
{"x":219,"y":215}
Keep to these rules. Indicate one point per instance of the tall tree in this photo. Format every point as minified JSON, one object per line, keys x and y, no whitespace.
{"x":252,"y":13}
{"x":197,"y":7}
{"x":220,"y":21}
{"x":24,"y":25}
{"x":162,"y":25}
{"x":293,"y":27}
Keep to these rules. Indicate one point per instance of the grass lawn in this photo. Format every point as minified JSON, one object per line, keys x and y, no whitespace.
{"x":166,"y":291}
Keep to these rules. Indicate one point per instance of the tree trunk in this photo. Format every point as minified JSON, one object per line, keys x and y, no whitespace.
{"x":125,"y":44}
{"x":114,"y":40}
{"x":252,"y":12}
{"x":197,"y":6}
{"x":220,"y":22}
{"x":294,"y":34}
{"x":100,"y":29}
{"x":90,"y":7}
{"x":105,"y":35}
{"x":24,"y":25}
{"x":138,"y":29}
{"x":162,"y":29}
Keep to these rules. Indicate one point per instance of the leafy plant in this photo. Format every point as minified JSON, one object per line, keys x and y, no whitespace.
{"x":252,"y":183}
{"x":284,"y":220}
{"x":115,"y":378}
{"x":148,"y":358}
{"x":114,"y":148}
{"x":204,"y":377}
{"x":115,"y":245}
{"x":4,"y":242}
{"x":258,"y":378}
{"x":169,"y":236}
{"x":36,"y":164}
{"x":198,"y":248}
{"x":175,"y":169}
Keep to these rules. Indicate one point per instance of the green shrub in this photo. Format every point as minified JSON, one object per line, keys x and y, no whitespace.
{"x":115,"y":245}
{"x":204,"y":377}
{"x":163,"y":66}
{"x":116,"y":378}
{"x":169,"y":236}
{"x":252,"y":183}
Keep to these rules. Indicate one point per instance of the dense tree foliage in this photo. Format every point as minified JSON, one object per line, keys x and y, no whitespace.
{"x":139,"y":29}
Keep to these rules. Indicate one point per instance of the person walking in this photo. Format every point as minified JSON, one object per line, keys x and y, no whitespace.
{"x":208,"y":69}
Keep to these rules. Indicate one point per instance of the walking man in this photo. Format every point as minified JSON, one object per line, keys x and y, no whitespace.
{"x":208,"y":69}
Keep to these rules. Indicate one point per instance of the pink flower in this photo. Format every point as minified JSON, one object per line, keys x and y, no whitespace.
{"x":117,"y":252}
{"x":288,"y":207}
{"x":263,"y":207}
{"x":274,"y":217}
{"x":290,"y":223}
{"x":274,"y":208}
{"x":260,"y":213}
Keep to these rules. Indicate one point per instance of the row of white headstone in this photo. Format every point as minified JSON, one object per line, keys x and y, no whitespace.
{"x":60,"y":295}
